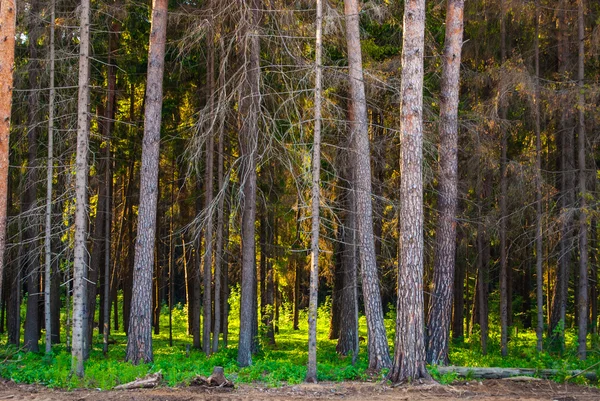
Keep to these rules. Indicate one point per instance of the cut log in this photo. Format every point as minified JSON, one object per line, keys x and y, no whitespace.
{"x":502,"y":373}
{"x":149,"y":381}
{"x":216,"y":379}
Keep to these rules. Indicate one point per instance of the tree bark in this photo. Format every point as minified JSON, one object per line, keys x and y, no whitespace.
{"x":379,"y":353}
{"x":504,"y":282}
{"x":80,"y":268}
{"x":539,"y":240}
{"x":48,"y":287}
{"x":311,"y":374}
{"x":409,"y":358}
{"x":8,"y":21}
{"x":209,"y":229}
{"x":583,"y":236}
{"x":248,"y":137}
{"x":348,"y":338}
{"x":31,"y":334}
{"x":139,"y":345}
{"x":445,"y":246}
{"x":566,"y":148}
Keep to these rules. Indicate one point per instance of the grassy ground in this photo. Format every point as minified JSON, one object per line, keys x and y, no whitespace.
{"x":284,"y":363}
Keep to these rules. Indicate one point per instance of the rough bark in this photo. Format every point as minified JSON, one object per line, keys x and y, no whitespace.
{"x":440,"y":314}
{"x":81,"y":165}
{"x":31,"y":334}
{"x":248,"y":137}
{"x":504,"y":296}
{"x":8,"y":21}
{"x":582,"y":322}
{"x":139,"y":345}
{"x":209,"y":229}
{"x":379,"y":353}
{"x":566,"y":148}
{"x":49,"y":181}
{"x":311,"y":374}
{"x":348,"y":338}
{"x":409,"y":358}
{"x":539,"y":240}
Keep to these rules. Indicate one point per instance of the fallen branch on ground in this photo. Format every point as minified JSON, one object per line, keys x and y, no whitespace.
{"x":149,"y":381}
{"x":502,"y":373}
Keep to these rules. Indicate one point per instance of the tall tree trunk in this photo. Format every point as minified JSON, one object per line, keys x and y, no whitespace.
{"x":296,"y":257}
{"x":139,"y":344}
{"x":81,"y":177}
{"x":583,"y":236}
{"x":248,"y":137}
{"x":559,"y":305}
{"x":504,"y":282}
{"x":379,"y":353}
{"x":539,"y":240}
{"x":409,"y":358}
{"x":348,"y":338}
{"x":209,"y":178}
{"x":8,"y":21}
{"x":311,"y":374}
{"x":440,"y":314}
{"x":222,"y":190}
{"x":31,"y":335}
{"x":48,"y":287}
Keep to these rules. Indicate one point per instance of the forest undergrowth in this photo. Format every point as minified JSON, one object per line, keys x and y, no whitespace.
{"x":284,"y":363}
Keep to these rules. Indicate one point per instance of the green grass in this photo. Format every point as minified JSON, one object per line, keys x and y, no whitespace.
{"x":284,"y":363}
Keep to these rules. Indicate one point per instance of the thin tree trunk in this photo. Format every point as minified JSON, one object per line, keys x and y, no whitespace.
{"x":409,"y":358}
{"x":297,"y":271}
{"x":440,"y":313}
{"x":458,"y":315}
{"x":504,"y":299}
{"x":583,"y":236}
{"x":31,"y":334}
{"x":49,"y":180}
{"x":209,"y":179}
{"x":249,"y":113}
{"x":539,"y":240}
{"x":8,"y":21}
{"x":219,"y":268}
{"x":559,"y":305}
{"x":311,"y":374}
{"x":139,"y":346}
{"x":379,"y":353}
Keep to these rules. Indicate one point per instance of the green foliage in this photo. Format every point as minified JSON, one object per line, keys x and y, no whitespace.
{"x":284,"y":363}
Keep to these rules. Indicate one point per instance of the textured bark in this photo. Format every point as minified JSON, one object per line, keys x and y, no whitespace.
{"x":139,"y":345}
{"x":348,"y":339}
{"x":409,"y":358}
{"x":379,"y":353}
{"x":31,"y":335}
{"x":49,"y":181}
{"x":248,"y":137}
{"x":483,"y":259}
{"x":311,"y":374}
{"x":504,"y":282}
{"x":458,"y":314}
{"x":567,"y":197}
{"x":8,"y":21}
{"x":209,"y":230}
{"x":13,"y":307}
{"x":539,"y":240}
{"x":225,"y":286}
{"x":296,"y":257}
{"x":582,"y":322}
{"x":219,"y":253}
{"x":438,"y":324}
{"x":81,"y":167}
{"x":110,"y":114}
{"x":338,"y":285}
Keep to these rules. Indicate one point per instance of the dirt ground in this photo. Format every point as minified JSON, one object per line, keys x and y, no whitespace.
{"x":489,"y":390}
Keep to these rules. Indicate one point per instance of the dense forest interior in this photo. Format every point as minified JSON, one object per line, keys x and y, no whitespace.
{"x":297,"y":190}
